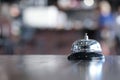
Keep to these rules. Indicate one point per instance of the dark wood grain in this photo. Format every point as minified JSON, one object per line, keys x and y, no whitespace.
{"x":57,"y":67}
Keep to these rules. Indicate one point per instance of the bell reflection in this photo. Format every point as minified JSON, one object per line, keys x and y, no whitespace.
{"x":95,"y":70}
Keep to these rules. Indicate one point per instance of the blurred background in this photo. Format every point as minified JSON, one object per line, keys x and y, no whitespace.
{"x":51,"y":26}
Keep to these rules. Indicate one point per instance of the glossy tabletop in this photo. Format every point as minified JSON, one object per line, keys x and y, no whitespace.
{"x":57,"y":67}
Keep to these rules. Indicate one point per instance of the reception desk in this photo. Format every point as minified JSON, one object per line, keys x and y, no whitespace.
{"x":57,"y":67}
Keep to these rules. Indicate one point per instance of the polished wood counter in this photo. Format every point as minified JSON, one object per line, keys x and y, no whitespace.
{"x":57,"y":67}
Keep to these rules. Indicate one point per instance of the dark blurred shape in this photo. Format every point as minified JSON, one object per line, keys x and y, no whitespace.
{"x":114,"y":3}
{"x":5,"y":33}
{"x":52,"y":2}
{"x":9,"y":1}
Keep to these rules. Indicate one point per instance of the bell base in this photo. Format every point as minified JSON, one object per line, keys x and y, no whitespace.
{"x":86,"y":56}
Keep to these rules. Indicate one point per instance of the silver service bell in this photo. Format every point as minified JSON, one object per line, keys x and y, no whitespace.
{"x":86,"y":49}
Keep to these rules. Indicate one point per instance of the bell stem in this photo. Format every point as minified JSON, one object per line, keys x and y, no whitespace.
{"x":86,"y":36}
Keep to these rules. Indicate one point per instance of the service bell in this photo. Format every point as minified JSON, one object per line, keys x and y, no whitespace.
{"x":86,"y":49}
